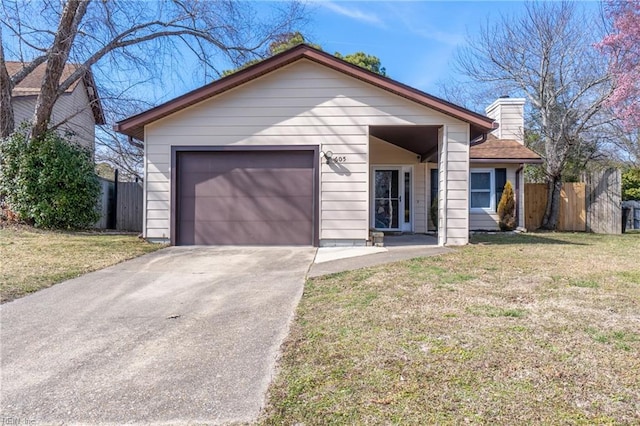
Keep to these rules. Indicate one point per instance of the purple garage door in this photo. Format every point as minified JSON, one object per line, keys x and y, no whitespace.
{"x":245,"y":198}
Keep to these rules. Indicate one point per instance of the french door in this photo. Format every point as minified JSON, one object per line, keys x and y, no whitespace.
{"x":392,"y":198}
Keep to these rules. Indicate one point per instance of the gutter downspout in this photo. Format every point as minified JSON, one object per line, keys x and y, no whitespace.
{"x":134,"y":143}
{"x":478,"y":140}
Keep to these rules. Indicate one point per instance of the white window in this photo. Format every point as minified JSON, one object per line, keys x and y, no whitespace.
{"x":482,"y":194}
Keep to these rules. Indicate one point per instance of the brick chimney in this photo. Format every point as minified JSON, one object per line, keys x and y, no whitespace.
{"x":509,"y":113}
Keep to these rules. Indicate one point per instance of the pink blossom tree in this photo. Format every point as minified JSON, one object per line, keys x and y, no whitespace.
{"x":623,"y":46}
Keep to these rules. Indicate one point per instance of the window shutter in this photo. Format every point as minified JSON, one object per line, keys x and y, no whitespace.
{"x":501,"y":180}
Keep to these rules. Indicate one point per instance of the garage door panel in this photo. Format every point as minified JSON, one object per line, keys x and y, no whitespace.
{"x":226,"y":161}
{"x":251,"y":233}
{"x":243,"y":183}
{"x":246,"y":197}
{"x":245,"y":208}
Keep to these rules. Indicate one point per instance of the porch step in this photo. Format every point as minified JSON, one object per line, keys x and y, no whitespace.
{"x":376,"y":238}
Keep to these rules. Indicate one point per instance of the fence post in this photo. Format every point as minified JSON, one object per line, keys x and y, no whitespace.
{"x":106,"y":205}
{"x":115,"y":197}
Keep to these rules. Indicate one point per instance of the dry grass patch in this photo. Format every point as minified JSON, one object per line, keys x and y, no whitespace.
{"x":35,"y":259}
{"x":524,"y":329}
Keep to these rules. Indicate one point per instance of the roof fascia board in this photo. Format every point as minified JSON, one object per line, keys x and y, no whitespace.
{"x":134,"y":126}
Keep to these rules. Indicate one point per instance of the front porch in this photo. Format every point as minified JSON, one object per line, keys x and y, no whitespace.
{"x":410,"y":167}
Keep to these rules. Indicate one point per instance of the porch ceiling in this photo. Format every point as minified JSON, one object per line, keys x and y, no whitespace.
{"x":423,"y":140}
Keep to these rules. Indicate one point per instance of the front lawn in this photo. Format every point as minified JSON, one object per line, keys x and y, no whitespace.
{"x":33,"y":259}
{"x":513,"y":329}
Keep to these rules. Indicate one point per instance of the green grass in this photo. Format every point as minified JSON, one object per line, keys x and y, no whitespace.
{"x":585,"y":283}
{"x":35,"y":259}
{"x":513,"y":329}
{"x":493,"y":311}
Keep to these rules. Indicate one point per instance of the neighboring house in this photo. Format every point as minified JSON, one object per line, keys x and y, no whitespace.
{"x":76,"y":112}
{"x":304,"y":148}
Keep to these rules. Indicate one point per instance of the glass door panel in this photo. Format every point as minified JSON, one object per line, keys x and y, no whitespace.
{"x":387,"y":199}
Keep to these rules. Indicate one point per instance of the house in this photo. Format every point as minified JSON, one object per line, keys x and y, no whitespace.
{"x":77,"y":111}
{"x":304,"y":148}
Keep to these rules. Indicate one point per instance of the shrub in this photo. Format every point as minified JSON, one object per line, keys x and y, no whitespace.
{"x":507,"y":209}
{"x":433,"y":212}
{"x":49,"y":182}
{"x":631,"y":184}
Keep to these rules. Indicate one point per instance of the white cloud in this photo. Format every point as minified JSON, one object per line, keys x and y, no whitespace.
{"x":352,"y":12}
{"x":416,"y":17}
{"x":451,"y":39}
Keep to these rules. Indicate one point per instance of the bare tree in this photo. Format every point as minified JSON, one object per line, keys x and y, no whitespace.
{"x":7,"y":121}
{"x":121,"y":154}
{"x":623,"y":142}
{"x":128,"y":34}
{"x":546,"y":55}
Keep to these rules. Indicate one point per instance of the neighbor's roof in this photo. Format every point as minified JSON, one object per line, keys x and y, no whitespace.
{"x":134,"y":126}
{"x":30,"y":85}
{"x":503,"y":151}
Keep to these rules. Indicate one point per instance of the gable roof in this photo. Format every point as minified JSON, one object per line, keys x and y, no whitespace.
{"x":134,"y":126}
{"x":30,"y":85}
{"x":502,"y":151}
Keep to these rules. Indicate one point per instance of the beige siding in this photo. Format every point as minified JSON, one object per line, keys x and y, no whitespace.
{"x":301,"y":104}
{"x":509,"y":113}
{"x":71,"y":109}
{"x":382,"y":152}
{"x":23,"y":108}
{"x":453,"y":202}
{"x":489,"y":220}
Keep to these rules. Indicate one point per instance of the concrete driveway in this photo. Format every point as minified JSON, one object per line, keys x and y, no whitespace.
{"x":182,"y":335}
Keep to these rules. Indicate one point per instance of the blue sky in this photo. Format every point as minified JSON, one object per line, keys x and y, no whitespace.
{"x":415,"y":40}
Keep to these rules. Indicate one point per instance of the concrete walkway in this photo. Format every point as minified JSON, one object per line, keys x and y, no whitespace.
{"x":184,"y":335}
{"x":330,"y":260}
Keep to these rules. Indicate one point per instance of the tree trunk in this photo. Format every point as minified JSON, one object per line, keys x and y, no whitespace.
{"x":56,"y":61}
{"x":552,"y":211}
{"x":7,"y":121}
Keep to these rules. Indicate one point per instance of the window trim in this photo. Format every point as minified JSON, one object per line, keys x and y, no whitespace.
{"x":492,"y":190}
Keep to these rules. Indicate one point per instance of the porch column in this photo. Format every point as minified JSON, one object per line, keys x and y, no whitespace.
{"x":453,"y":194}
{"x":442,"y":185}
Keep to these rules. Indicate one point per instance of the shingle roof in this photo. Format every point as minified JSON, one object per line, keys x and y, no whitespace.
{"x":30,"y":85}
{"x":502,"y":150}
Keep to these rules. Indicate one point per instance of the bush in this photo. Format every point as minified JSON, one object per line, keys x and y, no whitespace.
{"x":433,"y":212}
{"x":507,"y":209}
{"x":49,"y":182}
{"x":631,"y":185}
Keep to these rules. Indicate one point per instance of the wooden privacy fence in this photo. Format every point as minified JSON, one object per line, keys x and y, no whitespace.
{"x":121,"y":206}
{"x":593,"y":206}
{"x":573,"y":216}
{"x":604,"y":202}
{"x":129,"y":206}
{"x":106,"y":205}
